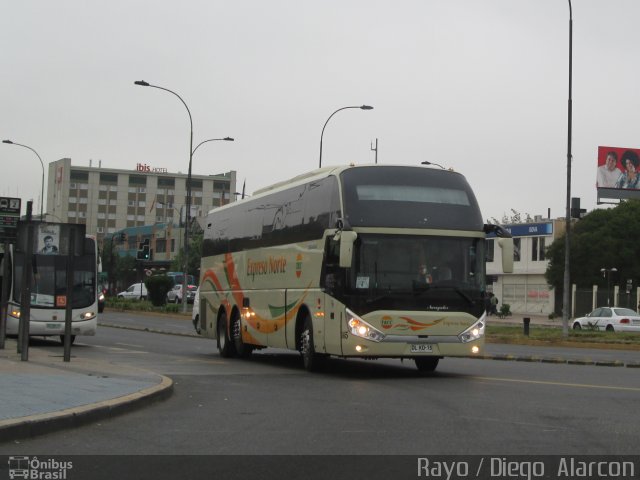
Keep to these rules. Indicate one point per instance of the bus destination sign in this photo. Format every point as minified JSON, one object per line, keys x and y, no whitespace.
{"x":9,"y":216}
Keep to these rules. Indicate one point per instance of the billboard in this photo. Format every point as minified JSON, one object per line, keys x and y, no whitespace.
{"x":618,"y":172}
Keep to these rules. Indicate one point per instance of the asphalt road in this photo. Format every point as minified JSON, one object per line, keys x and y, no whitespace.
{"x":270,"y":405}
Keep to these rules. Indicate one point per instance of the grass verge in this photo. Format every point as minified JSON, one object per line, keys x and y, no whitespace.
{"x":552,"y":336}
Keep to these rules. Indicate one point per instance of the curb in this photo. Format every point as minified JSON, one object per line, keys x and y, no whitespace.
{"x":40,"y":424}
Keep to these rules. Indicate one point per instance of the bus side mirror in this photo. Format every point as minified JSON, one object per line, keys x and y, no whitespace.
{"x":347,"y":239}
{"x":506,"y":245}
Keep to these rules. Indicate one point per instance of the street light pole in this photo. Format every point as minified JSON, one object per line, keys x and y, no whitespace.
{"x":185,"y":282}
{"x":607,"y":272}
{"x":567,"y":237}
{"x":361,"y":107}
{"x":41,"y":163}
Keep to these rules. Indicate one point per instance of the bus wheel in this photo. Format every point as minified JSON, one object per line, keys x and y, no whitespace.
{"x":225,"y":347}
{"x":312,"y":360}
{"x":72,"y":338}
{"x":426,"y":364}
{"x":242,"y":349}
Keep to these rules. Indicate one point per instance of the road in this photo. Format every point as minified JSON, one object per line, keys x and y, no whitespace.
{"x":270,"y":405}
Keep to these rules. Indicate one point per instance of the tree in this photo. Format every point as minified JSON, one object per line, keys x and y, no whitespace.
{"x":601,"y":239}
{"x":195,"y":254}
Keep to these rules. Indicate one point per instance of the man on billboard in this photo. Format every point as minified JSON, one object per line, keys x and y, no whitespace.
{"x":608,"y":174}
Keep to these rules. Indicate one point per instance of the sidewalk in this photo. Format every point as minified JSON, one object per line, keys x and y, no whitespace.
{"x":45,"y":393}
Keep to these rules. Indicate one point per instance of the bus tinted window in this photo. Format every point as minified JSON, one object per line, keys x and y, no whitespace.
{"x":413,"y":197}
{"x":293,"y":215}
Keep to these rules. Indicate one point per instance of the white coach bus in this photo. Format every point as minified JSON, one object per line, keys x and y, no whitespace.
{"x":366,"y":261}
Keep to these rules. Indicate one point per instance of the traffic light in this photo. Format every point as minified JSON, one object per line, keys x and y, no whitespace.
{"x":576,"y":211}
{"x":144,"y":250}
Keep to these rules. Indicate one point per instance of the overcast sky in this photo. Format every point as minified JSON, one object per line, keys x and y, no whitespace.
{"x":480,"y":86}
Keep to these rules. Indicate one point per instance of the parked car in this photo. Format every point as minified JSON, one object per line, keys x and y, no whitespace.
{"x":175,"y":294}
{"x":195,"y":313}
{"x":137,"y":291}
{"x":611,"y":319}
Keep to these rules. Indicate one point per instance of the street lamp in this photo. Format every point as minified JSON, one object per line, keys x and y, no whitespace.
{"x":142,"y":83}
{"x":226,"y":139}
{"x":361,"y":107}
{"x":606,"y":272}
{"x":42,"y":187}
{"x":433,"y":163}
{"x":567,"y":283}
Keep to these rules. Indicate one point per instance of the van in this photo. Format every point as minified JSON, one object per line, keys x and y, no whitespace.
{"x":137,"y":291}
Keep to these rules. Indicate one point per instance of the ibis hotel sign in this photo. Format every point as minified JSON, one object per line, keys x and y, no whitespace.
{"x":144,"y":168}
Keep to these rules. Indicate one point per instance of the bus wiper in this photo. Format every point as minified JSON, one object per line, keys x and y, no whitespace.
{"x":379,"y":298}
{"x":458,"y":291}
{"x":420,"y":289}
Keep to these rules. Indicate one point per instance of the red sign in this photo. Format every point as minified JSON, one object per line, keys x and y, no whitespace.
{"x":61,"y":300}
{"x":618,"y":168}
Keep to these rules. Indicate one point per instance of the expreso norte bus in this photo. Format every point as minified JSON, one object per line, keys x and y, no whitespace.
{"x":369,"y":261}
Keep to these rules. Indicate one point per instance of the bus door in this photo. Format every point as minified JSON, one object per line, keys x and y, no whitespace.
{"x":332,"y":282}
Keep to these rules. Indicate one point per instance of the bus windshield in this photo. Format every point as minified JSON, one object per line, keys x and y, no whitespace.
{"x":49,"y":279}
{"x":407,"y":263}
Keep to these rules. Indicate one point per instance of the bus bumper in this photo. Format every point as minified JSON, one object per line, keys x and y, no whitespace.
{"x":44,"y":328}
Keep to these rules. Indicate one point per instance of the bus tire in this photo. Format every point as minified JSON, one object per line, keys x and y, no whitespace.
{"x":426,"y":364}
{"x":312,"y":361}
{"x":242,"y":349}
{"x":225,"y":347}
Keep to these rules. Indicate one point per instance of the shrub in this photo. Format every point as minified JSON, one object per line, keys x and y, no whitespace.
{"x":158,"y":286}
{"x":505,"y":310}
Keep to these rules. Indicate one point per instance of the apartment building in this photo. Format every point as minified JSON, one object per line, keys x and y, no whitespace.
{"x":110,"y":200}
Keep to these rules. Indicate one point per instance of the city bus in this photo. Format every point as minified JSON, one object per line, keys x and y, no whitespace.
{"x":49,"y":291}
{"x":368,"y":261}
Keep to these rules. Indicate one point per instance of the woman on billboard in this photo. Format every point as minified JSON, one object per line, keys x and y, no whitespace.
{"x":629,"y":178}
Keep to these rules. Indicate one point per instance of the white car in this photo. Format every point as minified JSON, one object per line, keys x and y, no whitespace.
{"x":611,"y":319}
{"x":175,"y":294}
{"x":137,"y":291}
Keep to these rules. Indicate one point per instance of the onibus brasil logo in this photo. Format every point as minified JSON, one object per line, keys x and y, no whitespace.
{"x":33,"y":468}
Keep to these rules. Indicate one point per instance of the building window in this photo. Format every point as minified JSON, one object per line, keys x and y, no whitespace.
{"x":103,"y":188}
{"x":130,"y":218}
{"x":73,"y":200}
{"x":516,"y":249}
{"x":102,"y":201}
{"x":142,"y":203}
{"x":490,"y":251}
{"x":537,"y":249}
{"x":142,"y":190}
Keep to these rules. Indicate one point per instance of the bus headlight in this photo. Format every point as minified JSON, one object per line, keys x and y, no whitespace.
{"x":474,"y":332}
{"x":87,"y":315}
{"x":14,"y":312}
{"x":360,"y":328}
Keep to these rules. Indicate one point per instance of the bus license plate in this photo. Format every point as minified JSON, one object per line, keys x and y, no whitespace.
{"x":421,"y":347}
{"x":53,"y":326}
